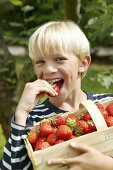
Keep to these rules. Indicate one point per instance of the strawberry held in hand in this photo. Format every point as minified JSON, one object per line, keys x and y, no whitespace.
{"x":56,"y":88}
{"x":57,"y":84}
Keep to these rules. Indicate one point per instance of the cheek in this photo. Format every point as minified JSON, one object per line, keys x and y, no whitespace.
{"x":38,"y":72}
{"x":71,"y":71}
{"x":70,"y":75}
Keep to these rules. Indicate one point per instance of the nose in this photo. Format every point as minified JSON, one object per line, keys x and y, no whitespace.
{"x":50,"y":69}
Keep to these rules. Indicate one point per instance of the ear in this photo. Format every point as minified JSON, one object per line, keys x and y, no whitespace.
{"x":84,"y":64}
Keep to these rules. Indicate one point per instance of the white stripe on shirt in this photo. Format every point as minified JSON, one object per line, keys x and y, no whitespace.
{"x":43,"y":116}
{"x":15,"y":149}
{"x":7,"y":151}
{"x":27,"y":166}
{"x":6,"y":165}
{"x":17,"y":138}
{"x":42,"y":110}
{"x":15,"y":160}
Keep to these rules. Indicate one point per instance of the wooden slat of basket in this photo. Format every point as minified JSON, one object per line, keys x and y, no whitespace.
{"x":95,"y":114}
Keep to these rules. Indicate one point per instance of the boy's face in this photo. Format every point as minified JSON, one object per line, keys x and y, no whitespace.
{"x":62,"y":70}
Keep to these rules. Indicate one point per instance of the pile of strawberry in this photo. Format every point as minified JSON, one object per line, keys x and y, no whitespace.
{"x":58,"y":129}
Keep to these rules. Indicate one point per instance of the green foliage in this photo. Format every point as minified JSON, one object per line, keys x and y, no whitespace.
{"x":25,"y":16}
{"x":105,"y":78}
{"x":99,"y":79}
{"x":16,"y":2}
{"x":97,"y":21}
{"x":2,"y":141}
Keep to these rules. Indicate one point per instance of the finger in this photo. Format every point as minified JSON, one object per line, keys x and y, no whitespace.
{"x":44,"y":86}
{"x":62,"y":161}
{"x":81,"y":147}
{"x":45,"y":90}
{"x":75,"y":167}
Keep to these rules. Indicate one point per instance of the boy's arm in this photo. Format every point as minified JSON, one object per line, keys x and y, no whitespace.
{"x":15,"y":154}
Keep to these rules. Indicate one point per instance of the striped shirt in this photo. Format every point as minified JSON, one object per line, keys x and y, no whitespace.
{"x":15,"y":154}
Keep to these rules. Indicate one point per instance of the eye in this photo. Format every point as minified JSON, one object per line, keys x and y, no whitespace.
{"x":60,"y":59}
{"x":40,"y":62}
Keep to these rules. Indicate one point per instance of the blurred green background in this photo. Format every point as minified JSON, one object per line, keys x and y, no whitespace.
{"x":19,"y":18}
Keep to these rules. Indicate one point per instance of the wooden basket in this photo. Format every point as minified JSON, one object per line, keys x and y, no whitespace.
{"x":102,"y":140}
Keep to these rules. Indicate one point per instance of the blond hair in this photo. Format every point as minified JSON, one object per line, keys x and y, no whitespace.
{"x":59,"y":37}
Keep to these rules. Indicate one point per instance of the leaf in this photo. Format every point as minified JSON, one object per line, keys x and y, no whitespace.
{"x":3,"y":70}
{"x":106,"y":79}
{"x":100,"y":26}
{"x":27,"y":8}
{"x":16,"y":24}
{"x":110,"y":9}
{"x":16,"y":2}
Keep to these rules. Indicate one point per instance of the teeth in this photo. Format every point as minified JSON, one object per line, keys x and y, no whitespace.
{"x":53,"y":81}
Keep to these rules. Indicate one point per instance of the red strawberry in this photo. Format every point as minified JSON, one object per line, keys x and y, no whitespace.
{"x":73,"y":136}
{"x":72,"y":116}
{"x":46,"y":129}
{"x":41,"y":145}
{"x":99,"y":105}
{"x":109,"y":121}
{"x":59,"y":141}
{"x":45,"y":121}
{"x":57,"y":121}
{"x":83,"y":127}
{"x":104,"y":113}
{"x":92,"y":126}
{"x":41,"y":139}
{"x":51,"y":139}
{"x":60,"y":120}
{"x":64,"y":132}
{"x":33,"y":136}
{"x":109,"y":109}
{"x":86,"y":116}
{"x":56,"y":88}
{"x":102,"y":110}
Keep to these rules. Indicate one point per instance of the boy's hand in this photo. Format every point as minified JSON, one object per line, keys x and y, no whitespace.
{"x":89,"y":159}
{"x":30,"y":97}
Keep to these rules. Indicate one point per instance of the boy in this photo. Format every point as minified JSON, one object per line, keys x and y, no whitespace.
{"x":61,"y":55}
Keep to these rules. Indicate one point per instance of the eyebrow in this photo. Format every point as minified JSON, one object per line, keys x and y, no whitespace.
{"x":39,"y":58}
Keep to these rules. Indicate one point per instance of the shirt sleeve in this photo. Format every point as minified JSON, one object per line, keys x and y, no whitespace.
{"x":15,"y":155}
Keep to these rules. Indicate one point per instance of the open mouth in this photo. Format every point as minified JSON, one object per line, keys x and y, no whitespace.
{"x":58,"y":82}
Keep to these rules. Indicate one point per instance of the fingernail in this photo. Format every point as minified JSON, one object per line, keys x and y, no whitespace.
{"x":48,"y":162}
{"x":56,"y":93}
{"x":73,"y":144}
